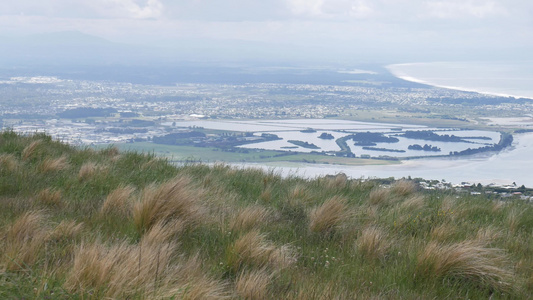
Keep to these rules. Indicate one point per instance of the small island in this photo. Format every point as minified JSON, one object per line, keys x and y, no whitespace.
{"x":426,"y":147}
{"x":326,"y":136}
{"x":303,"y":144}
{"x":383,"y":149}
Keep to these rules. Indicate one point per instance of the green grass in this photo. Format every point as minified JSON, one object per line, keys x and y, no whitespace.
{"x":133,"y":226}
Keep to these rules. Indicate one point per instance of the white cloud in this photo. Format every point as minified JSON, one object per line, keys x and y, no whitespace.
{"x":330,"y":8}
{"x":458,"y":9}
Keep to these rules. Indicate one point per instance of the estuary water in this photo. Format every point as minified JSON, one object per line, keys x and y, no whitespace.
{"x":513,"y":79}
{"x":514,"y":164}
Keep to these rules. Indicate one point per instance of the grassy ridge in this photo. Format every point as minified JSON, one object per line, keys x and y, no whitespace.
{"x":87,"y":224}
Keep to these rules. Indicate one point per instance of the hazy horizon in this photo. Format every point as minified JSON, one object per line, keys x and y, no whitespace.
{"x":319,"y":32}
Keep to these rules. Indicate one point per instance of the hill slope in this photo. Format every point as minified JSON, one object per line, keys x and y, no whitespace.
{"x":80,"y":223}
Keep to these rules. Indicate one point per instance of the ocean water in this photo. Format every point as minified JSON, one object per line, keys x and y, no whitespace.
{"x":513,"y":79}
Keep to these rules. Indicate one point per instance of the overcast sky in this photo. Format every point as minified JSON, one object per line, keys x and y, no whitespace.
{"x":442,"y":29}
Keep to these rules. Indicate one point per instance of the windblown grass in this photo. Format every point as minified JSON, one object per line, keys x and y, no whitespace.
{"x":119,"y":201}
{"x":23,"y":241}
{"x":54,"y":164}
{"x":49,"y":197}
{"x":329,"y":216}
{"x":253,"y":285}
{"x":250,"y":217}
{"x":173,"y":199}
{"x":468,"y":261}
{"x":130,"y":226}
{"x":373,"y":243}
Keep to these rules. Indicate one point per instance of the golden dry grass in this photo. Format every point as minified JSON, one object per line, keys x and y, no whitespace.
{"x":253,"y":249}
{"x":253,"y":285}
{"x":8,"y":162}
{"x":336,"y":182}
{"x":54,"y":164}
{"x":328,"y":216}
{"x":119,"y":201}
{"x":88,"y":170}
{"x":414,"y":202}
{"x":513,"y":219}
{"x":266,"y":195}
{"x":145,"y":271}
{"x":162,"y":232}
{"x":443,"y":232}
{"x":66,"y":230}
{"x":467,"y":260}
{"x":403,"y":187}
{"x":373,"y":243}
{"x":175,"y":198}
{"x":29,"y":150}
{"x":488,"y":234}
{"x":23,"y":241}
{"x":50,"y":197}
{"x":249,"y":217}
{"x":379,"y":196}
{"x":300,"y":192}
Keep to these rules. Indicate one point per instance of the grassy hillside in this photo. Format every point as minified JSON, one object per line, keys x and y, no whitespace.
{"x":86,"y":224}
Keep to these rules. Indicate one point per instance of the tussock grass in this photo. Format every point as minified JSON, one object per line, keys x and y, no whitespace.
{"x":253,"y":285}
{"x":31,"y":149}
{"x":50,"y":197}
{"x":66,"y":230}
{"x":23,"y":241}
{"x":250,"y":217}
{"x":146,"y":229}
{"x":173,"y":199}
{"x":403,"y":187}
{"x":337,"y":182}
{"x":379,"y":196}
{"x":119,"y":201}
{"x":8,"y":162}
{"x":328,"y":216}
{"x":147,"y":270}
{"x":373,"y":243}
{"x":253,"y":249}
{"x":488,"y":234}
{"x":443,"y":232}
{"x":54,"y":164}
{"x":88,"y":170}
{"x":414,"y":202}
{"x":266,"y":195}
{"x":468,"y":261}
{"x":300,"y":192}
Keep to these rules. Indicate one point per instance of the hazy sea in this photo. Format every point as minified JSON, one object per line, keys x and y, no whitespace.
{"x":496,"y":78}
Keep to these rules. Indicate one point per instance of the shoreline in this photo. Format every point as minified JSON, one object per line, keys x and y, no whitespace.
{"x":393,"y":69}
